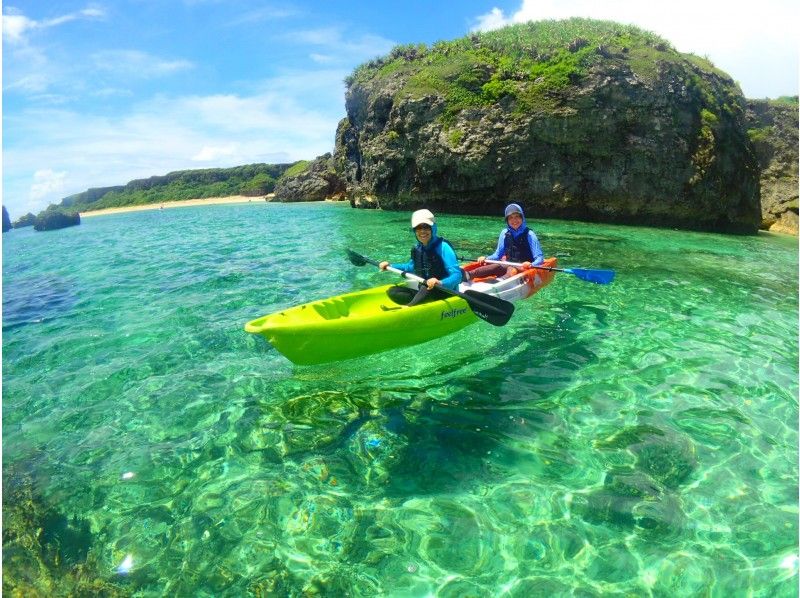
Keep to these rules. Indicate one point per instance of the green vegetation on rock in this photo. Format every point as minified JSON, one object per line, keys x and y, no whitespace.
{"x":298,"y":167}
{"x":785,"y":101}
{"x":522,"y":62}
{"x":250,"y":180}
{"x":28,"y":219}
{"x":310,"y":181}
{"x":56,"y":217}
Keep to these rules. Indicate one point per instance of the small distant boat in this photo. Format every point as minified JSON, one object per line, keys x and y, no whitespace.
{"x":368,"y":321}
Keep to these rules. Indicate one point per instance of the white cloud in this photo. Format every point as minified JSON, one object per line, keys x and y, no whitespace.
{"x":688,"y":24}
{"x":133,"y":63}
{"x":326,"y":36}
{"x":263,"y":14}
{"x":46,"y":182}
{"x":16,"y":26}
{"x":29,"y":83}
{"x":273,"y":123}
{"x":742,"y":43}
{"x":339,"y":47}
{"x":494,"y":19}
{"x":321,"y":58}
{"x":29,"y":70}
{"x":210,"y":154}
{"x":110,"y":92}
{"x":93,"y":13}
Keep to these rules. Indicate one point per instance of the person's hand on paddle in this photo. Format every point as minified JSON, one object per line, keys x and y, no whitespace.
{"x":481,"y":259}
{"x":526,"y":265}
{"x":431,"y":282}
{"x":383,"y":265}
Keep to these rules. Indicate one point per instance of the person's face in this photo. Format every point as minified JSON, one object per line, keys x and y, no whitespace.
{"x":515,"y":221}
{"x":423,"y":232}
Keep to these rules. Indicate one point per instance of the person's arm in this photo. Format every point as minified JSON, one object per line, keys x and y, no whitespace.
{"x":451,"y":264}
{"x":404,"y":266}
{"x":536,"y":248}
{"x":498,"y":253}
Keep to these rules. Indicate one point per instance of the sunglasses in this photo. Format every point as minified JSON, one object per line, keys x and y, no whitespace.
{"x":423,"y":227}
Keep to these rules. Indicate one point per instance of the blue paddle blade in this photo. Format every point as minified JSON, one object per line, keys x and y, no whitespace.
{"x":595,"y":276}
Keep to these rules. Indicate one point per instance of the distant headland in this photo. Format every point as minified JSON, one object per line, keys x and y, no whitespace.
{"x":207,"y":201}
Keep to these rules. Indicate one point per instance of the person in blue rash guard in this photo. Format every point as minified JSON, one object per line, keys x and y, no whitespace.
{"x":516,"y":243}
{"x":432,"y":258}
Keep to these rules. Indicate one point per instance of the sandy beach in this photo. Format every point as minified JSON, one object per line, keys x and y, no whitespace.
{"x":208,"y":201}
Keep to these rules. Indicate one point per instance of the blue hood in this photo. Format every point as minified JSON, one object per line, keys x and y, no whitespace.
{"x":510,"y":209}
{"x":434,"y":236}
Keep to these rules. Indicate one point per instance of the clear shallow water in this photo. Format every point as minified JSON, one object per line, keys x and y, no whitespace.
{"x":633,"y":439}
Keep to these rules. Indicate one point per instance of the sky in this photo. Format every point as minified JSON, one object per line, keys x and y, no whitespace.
{"x":101,"y":93}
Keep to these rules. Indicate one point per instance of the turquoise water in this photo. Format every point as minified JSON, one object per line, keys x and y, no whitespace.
{"x":636,"y":439}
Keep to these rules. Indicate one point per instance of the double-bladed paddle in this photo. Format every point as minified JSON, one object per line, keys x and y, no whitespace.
{"x":595,"y":276}
{"x":492,"y":309}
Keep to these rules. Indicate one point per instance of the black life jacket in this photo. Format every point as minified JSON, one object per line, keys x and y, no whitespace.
{"x":517,"y":250}
{"x":427,"y":261}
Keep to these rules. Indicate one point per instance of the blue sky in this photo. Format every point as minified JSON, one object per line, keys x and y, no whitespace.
{"x":100,"y":93}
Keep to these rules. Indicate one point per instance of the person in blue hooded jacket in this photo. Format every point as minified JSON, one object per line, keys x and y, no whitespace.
{"x":516,"y":243}
{"x":432,"y":258}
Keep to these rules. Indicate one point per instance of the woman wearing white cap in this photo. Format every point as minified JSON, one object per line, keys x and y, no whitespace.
{"x":432,"y":258}
{"x":516,"y":243}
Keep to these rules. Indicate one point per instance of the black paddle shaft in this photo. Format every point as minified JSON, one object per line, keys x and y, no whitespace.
{"x":489,"y":308}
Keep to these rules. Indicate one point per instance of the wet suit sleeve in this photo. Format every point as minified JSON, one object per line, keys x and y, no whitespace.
{"x":404,"y":266}
{"x":498,"y":253}
{"x":451,"y":263}
{"x":536,"y":248}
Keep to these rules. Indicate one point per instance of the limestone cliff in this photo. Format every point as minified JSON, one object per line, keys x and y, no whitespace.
{"x":774,"y":132}
{"x":575,"y":119}
{"x":309,"y":181}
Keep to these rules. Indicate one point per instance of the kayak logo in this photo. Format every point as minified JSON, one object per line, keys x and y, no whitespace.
{"x":453,"y":313}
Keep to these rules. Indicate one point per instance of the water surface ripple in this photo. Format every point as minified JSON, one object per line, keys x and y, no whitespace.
{"x":634,"y":439}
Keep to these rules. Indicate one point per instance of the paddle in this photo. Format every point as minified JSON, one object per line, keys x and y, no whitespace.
{"x":492,"y":309}
{"x":595,"y":276}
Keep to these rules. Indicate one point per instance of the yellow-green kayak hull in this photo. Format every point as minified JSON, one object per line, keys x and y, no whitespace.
{"x":356,"y":324}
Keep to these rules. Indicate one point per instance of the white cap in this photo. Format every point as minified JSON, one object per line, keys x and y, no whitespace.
{"x":422,"y":217}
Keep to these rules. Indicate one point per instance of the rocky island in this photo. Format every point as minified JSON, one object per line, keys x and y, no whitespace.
{"x":577,"y":119}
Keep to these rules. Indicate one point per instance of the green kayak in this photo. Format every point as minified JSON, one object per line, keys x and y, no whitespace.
{"x":366,"y":322}
{"x":357,"y":324}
